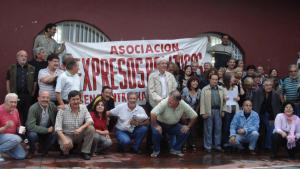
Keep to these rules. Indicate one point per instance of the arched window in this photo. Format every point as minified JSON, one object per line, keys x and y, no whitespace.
{"x":75,"y":31}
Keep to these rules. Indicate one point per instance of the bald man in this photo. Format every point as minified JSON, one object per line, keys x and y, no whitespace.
{"x":20,"y":80}
{"x":40,"y":124}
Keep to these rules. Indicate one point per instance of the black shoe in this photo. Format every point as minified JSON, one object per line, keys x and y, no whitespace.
{"x":207,"y":150}
{"x":85,"y":156}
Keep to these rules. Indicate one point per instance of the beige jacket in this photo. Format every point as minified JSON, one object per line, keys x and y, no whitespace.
{"x":155,"y":87}
{"x":205,"y":101}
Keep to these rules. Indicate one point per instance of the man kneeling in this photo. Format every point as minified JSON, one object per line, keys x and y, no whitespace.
{"x":165,"y":118}
{"x":244,"y":128}
{"x":40,"y":123}
{"x":74,"y":125}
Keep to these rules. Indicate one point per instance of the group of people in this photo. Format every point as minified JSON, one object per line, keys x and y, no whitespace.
{"x":233,"y":106}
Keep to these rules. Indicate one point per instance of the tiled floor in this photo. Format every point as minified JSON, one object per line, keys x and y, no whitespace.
{"x":190,"y":160}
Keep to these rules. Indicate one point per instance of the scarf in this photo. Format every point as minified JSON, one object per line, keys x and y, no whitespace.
{"x":291,"y":139}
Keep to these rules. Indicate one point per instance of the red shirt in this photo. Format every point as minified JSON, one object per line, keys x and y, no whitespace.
{"x":99,"y":123}
{"x":6,"y":116}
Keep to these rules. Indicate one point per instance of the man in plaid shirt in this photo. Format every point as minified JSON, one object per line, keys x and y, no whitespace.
{"x":75,"y":125}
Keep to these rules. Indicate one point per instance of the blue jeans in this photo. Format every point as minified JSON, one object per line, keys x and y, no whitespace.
{"x":124,"y":137}
{"x":250,"y":138}
{"x":268,"y":130}
{"x":11,"y":144}
{"x":47,"y":141}
{"x":213,"y":123}
{"x":177,"y":137}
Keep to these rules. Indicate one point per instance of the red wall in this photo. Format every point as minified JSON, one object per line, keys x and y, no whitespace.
{"x":267,"y":30}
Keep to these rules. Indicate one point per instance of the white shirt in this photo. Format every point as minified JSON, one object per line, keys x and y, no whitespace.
{"x":48,"y":87}
{"x":124,"y":115}
{"x":164,"y":85}
{"x":67,"y":82}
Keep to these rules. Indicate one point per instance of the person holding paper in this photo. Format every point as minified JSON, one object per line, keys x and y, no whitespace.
{"x":10,"y":142}
{"x":231,"y":105}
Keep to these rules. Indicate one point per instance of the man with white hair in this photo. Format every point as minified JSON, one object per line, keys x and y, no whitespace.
{"x":160,"y":83}
{"x":20,"y":80}
{"x":10,"y":142}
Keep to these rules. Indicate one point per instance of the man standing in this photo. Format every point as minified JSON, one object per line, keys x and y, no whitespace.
{"x":165,"y":118}
{"x":10,"y":142}
{"x":38,"y":62}
{"x":20,"y":80}
{"x":132,"y":123}
{"x":48,"y":76}
{"x":222,"y":52}
{"x":244,"y":127}
{"x":68,"y":81}
{"x":290,"y":88}
{"x":45,"y":40}
{"x":40,"y":124}
{"x":267,"y":103}
{"x":74,"y":125}
{"x":211,"y":106}
{"x":160,"y":83}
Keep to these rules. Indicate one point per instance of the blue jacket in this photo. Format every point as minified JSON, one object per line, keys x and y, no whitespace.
{"x":249,"y":125}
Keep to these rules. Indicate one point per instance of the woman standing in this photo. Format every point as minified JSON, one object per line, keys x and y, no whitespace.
{"x":102,"y":139}
{"x":191,"y":95}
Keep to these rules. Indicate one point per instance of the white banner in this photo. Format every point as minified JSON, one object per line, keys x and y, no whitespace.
{"x":125,"y":65}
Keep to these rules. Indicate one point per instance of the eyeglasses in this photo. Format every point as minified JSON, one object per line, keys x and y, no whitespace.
{"x":293,"y":71}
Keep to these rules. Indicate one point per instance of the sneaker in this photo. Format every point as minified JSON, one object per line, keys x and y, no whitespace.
{"x":219,"y":149}
{"x":177,"y":153}
{"x":154,"y":154}
{"x":1,"y":159}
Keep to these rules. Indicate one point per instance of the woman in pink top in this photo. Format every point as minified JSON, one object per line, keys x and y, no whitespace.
{"x":287,"y":131}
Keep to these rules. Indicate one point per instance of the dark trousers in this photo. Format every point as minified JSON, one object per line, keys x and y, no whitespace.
{"x":45,"y":140}
{"x":25,"y":101}
{"x":226,"y":127}
{"x":278,"y":141}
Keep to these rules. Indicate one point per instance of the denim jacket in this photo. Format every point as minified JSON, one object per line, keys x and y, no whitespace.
{"x":249,"y":125}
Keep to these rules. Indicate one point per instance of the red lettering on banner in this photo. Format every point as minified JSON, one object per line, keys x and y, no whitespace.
{"x":113,"y":50}
{"x":123,"y":84}
{"x":131,"y":73}
{"x":95,"y":71}
{"x":167,"y":47}
{"x":86,"y":82}
{"x":112,"y":73}
{"x":123,"y":97}
{"x":156,"y":48}
{"x":104,"y":72}
{"x":194,"y":57}
{"x":121,"y":49}
{"x":149,"y":66}
{"x":129,"y":49}
{"x":139,"y":61}
{"x":149,"y":49}
{"x":136,"y":49}
{"x":175,"y":47}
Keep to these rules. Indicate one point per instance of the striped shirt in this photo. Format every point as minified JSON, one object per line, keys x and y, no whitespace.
{"x":289,"y":89}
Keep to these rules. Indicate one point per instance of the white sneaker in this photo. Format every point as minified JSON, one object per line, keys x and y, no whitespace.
{"x":177,"y":153}
{"x":1,"y":159}
{"x":154,"y":154}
